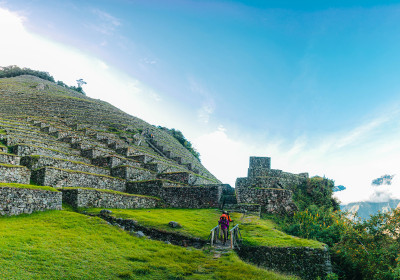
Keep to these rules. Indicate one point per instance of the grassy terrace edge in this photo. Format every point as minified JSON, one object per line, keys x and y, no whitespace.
{"x":198,"y":223}
{"x":111,"y":192}
{"x":25,"y":186}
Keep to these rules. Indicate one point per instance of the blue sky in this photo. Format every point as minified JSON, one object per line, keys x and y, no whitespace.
{"x":313,"y":85}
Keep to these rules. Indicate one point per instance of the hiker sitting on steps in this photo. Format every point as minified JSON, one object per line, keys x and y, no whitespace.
{"x":224,"y":223}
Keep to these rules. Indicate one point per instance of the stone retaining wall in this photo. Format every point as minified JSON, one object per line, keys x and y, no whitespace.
{"x":15,"y":201}
{"x":305,"y":262}
{"x":100,"y":199}
{"x":131,"y":173}
{"x":276,"y":201}
{"x":14,"y":174}
{"x":178,"y":196}
{"x":9,"y":159}
{"x":36,"y":162}
{"x":186,"y":178}
{"x":27,"y":150}
{"x":55,"y":177}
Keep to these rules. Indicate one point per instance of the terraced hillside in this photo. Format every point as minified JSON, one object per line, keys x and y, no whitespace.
{"x":95,"y":154}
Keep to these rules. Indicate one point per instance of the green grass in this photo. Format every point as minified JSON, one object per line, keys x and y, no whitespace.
{"x":111,"y":191}
{"x":68,"y":245}
{"x":25,"y":186}
{"x":199,"y":222}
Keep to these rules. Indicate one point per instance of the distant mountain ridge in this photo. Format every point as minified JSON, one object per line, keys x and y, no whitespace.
{"x":366,"y":208}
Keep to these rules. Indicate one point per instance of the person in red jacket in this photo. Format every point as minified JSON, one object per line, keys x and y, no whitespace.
{"x":224,"y":223}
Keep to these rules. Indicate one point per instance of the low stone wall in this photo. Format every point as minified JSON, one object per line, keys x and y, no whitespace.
{"x":305,"y":262}
{"x":281,"y":181}
{"x":131,"y":173}
{"x":3,"y":149}
{"x":276,"y":201}
{"x":163,"y":167}
{"x":14,"y":174}
{"x":186,"y":178}
{"x":178,"y":196}
{"x":192,"y":197}
{"x":35,"y":162}
{"x":27,"y":150}
{"x":172,"y":237}
{"x":55,"y":177}
{"x":15,"y":201}
{"x":114,"y":161}
{"x":9,"y":159}
{"x":100,"y":199}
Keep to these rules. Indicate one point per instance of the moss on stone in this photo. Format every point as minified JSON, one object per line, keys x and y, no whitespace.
{"x":110,"y":191}
{"x":25,"y":186}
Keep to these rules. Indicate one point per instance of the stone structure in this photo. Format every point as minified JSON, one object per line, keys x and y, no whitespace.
{"x":268,"y":187}
{"x":58,"y":178}
{"x":14,"y":174}
{"x":308,"y":263}
{"x":78,"y":197}
{"x":15,"y":201}
{"x":178,"y":196}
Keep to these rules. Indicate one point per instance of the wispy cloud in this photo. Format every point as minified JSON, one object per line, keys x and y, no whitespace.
{"x":106,"y":24}
{"x":207,"y":102}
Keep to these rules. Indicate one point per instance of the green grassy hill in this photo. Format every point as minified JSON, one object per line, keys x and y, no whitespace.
{"x":68,"y":245}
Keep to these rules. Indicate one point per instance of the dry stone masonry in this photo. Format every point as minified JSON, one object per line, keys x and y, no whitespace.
{"x":52,"y":137}
{"x":15,"y":201}
{"x":268,"y":187}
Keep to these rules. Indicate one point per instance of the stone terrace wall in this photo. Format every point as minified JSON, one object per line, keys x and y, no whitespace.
{"x":14,"y":174}
{"x":58,"y":178}
{"x":192,"y":197}
{"x":178,"y":196}
{"x":93,"y":198}
{"x":9,"y":159}
{"x":15,"y":201}
{"x":276,"y":201}
{"x":305,"y":262}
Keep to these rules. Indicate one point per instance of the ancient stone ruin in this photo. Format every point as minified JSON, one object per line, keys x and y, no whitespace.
{"x":91,"y":154}
{"x":268,"y":188}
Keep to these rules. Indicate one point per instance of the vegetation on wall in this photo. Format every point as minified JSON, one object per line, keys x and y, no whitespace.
{"x":179,"y":136}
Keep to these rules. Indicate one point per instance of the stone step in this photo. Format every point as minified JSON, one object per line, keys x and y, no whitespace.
{"x":78,"y":197}
{"x":131,"y":173}
{"x":28,"y":150}
{"x":59,"y":178}
{"x":9,"y":158}
{"x":93,"y":153}
{"x":14,"y":174}
{"x":36,"y":162}
{"x":187,"y":178}
{"x":114,"y":161}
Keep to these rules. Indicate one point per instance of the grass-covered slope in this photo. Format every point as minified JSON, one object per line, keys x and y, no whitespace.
{"x":199,"y":222}
{"x":68,"y":245}
{"x":29,"y":96}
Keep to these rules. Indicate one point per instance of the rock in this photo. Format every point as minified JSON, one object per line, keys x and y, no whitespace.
{"x":140,"y":234}
{"x":174,"y":224}
{"x":105,"y":212}
{"x":167,"y":242}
